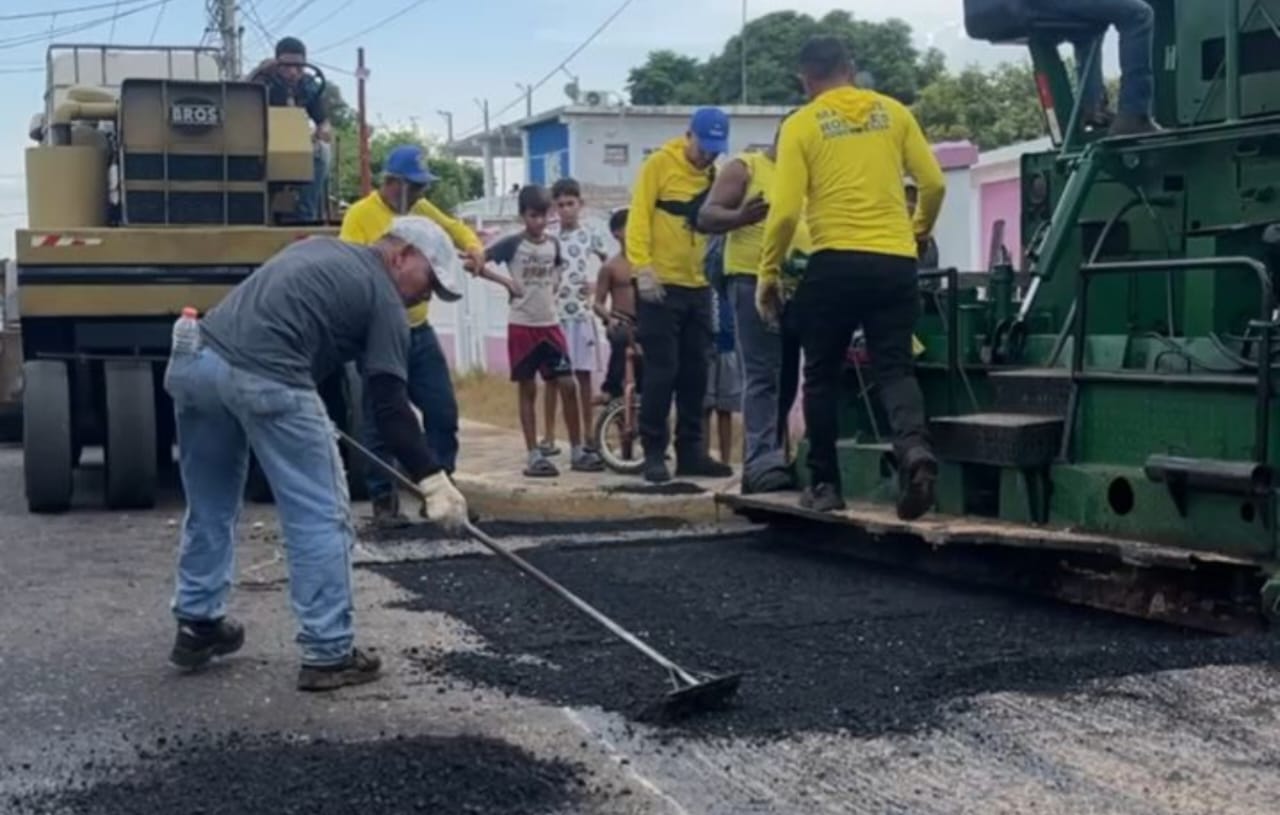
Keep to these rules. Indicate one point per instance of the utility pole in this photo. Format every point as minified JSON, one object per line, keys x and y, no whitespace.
{"x":486,"y":150}
{"x":229,"y":32}
{"x":742,"y":42}
{"x":448,"y":124}
{"x":362,"y":74}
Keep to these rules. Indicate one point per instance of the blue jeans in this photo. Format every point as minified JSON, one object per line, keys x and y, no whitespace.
{"x":311,"y":197}
{"x":760,"y":354}
{"x":222,"y":412}
{"x":430,"y":391}
{"x":1135,"y":22}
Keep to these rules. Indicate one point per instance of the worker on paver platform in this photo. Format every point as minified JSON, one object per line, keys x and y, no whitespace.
{"x":841,"y":161}
{"x":404,"y":181}
{"x":246,"y":379}
{"x":1135,"y":23}
{"x":674,"y":312}
{"x":738,"y":205}
{"x":289,"y":86}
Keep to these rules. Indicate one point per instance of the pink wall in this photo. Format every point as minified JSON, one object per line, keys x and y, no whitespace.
{"x":996,"y":200}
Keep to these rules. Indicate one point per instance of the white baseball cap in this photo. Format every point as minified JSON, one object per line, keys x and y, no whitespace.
{"x":428,"y":238}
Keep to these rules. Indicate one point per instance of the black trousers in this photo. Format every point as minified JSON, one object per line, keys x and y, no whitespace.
{"x":841,"y":291}
{"x":789,"y":374}
{"x":675,"y":336}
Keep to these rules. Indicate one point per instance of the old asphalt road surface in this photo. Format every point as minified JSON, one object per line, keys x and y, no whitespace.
{"x":869,"y":690}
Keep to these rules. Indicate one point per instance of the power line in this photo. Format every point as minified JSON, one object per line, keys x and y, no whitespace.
{"x":156,"y":26}
{"x":31,"y":15}
{"x":292,"y":14}
{"x":563,"y":63}
{"x":341,"y":7}
{"x":29,"y":38}
{"x":389,"y":18}
{"x":251,"y":11}
{"x":115,"y":9}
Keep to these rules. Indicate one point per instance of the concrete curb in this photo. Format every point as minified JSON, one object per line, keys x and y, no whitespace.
{"x":501,"y":498}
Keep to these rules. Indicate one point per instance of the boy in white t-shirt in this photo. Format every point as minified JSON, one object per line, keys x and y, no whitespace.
{"x":584,"y":251}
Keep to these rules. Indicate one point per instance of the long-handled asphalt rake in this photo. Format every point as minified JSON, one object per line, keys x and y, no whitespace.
{"x":690,"y":693}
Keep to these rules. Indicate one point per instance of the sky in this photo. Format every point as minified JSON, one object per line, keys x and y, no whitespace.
{"x":437,"y":55}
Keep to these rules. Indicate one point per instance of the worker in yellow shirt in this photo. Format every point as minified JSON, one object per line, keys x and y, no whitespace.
{"x":404,"y":180}
{"x":841,"y":161}
{"x":737,"y":207}
{"x":673,"y":314}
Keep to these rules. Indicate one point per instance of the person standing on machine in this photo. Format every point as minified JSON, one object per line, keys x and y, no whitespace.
{"x":1135,"y":22}
{"x":841,"y":161}
{"x":289,"y":86}
{"x":674,"y":312}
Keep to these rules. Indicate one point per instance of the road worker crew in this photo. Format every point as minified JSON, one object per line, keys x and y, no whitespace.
{"x":674,"y":309}
{"x":738,"y":205}
{"x":404,"y":181}
{"x":842,"y":158}
{"x":249,"y":383}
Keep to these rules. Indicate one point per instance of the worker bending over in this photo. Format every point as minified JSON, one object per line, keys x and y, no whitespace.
{"x":251,"y":385}
{"x":674,"y":312}
{"x":842,"y":158}
{"x":738,"y":205}
{"x":405,"y":180}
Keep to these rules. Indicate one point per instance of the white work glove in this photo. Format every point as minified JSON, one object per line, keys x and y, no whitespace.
{"x":648,"y":287}
{"x":442,"y":501}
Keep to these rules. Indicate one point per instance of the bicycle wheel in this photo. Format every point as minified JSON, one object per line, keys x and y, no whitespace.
{"x":619,"y":446}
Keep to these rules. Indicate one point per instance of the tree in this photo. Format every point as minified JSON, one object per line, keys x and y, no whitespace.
{"x":990,"y":109}
{"x":666,"y":78}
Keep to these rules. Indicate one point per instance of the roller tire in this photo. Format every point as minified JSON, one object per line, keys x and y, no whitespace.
{"x":130,"y":434}
{"x":47,"y":451}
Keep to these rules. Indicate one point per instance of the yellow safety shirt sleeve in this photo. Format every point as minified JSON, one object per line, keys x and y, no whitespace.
{"x":644,"y":198}
{"x":925,"y":169}
{"x":791,"y":182}
{"x":461,"y":234}
{"x":355,"y":228}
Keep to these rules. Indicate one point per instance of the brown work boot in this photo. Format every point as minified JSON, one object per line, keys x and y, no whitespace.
{"x":386,"y":512}
{"x":1129,"y":124}
{"x":357,"y":669}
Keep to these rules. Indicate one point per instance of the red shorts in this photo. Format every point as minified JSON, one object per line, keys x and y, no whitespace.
{"x":537,"y":350}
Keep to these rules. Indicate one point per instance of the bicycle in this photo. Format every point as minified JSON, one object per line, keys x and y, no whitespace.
{"x":620,"y":417}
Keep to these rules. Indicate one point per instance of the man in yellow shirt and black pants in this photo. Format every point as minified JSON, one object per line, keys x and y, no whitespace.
{"x":738,"y":205}
{"x":674,"y":310}
{"x":404,"y":180}
{"x":841,"y":160}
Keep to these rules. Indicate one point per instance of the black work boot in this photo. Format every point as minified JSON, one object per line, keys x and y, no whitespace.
{"x":386,"y":512}
{"x":199,"y":641}
{"x":357,"y":669}
{"x":1130,"y":124}
{"x":655,"y":470}
{"x":822,"y":498}
{"x":699,"y":464}
{"x":916,"y":484}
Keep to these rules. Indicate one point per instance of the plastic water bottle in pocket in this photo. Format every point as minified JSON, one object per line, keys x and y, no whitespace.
{"x":186,"y":332}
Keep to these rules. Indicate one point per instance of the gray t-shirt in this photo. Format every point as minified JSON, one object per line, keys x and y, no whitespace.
{"x":311,"y":308}
{"x":536,"y":267}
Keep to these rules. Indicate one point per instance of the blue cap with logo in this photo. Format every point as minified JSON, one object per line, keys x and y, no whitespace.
{"x":710,"y":126}
{"x":408,"y":162}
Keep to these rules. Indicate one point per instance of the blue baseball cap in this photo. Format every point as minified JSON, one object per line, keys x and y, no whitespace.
{"x":407,"y":162}
{"x":710,"y":126}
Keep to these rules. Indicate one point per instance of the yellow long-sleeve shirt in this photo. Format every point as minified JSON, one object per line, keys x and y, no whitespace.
{"x":841,"y":161}
{"x":368,"y":219}
{"x":660,"y":239}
